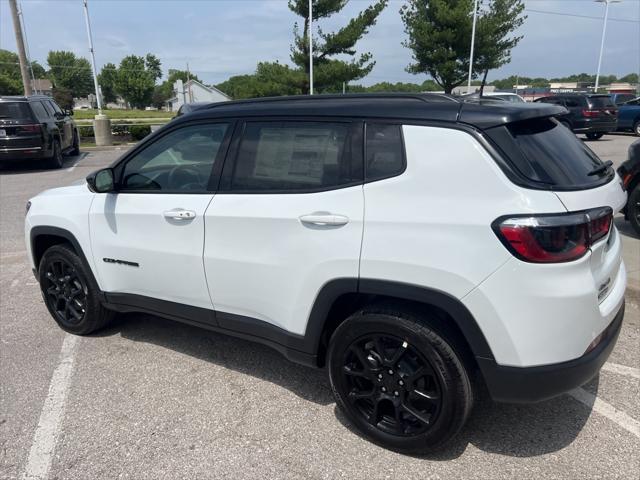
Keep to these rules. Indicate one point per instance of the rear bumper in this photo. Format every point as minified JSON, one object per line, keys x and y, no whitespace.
{"x":587,"y":126}
{"x":534,"y":384}
{"x":21,"y":153}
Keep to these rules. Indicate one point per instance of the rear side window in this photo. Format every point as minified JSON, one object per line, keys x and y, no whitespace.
{"x":573,"y":102}
{"x":300,"y":156}
{"x":55,"y":106}
{"x":39,"y":111}
{"x":14,"y":110}
{"x":546,"y":152}
{"x":600,"y":102}
{"x":384,"y":152}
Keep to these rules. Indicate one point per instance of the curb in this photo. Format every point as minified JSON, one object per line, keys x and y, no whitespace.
{"x":107,"y":148}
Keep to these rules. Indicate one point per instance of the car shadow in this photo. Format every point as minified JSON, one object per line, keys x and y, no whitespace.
{"x":37,"y":166}
{"x":503,"y":429}
{"x":625,"y":227}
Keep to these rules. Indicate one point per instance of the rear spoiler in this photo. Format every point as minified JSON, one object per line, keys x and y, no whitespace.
{"x":491,"y":114}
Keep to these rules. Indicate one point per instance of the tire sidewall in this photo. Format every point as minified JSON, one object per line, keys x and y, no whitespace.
{"x":632,"y":208}
{"x":92,"y":301}
{"x":370,"y":323}
{"x":636,"y":128}
{"x":56,"y":160}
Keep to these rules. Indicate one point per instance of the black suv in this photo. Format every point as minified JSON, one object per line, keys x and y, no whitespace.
{"x":591,"y":114}
{"x":36,"y":127}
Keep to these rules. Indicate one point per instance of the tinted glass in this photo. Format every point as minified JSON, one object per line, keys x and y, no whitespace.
{"x":384,"y":152}
{"x":293,"y":156}
{"x":39,"y":111}
{"x":509,"y":98}
{"x":572,"y":102}
{"x":179,"y":161}
{"x":600,"y":102}
{"x":551,"y":153}
{"x":49,"y":108}
{"x":624,"y":97}
{"x":14,"y":110}
{"x":55,"y":106}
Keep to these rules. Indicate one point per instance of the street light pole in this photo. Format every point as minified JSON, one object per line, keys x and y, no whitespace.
{"x":473,"y":41}
{"x":93,"y":58}
{"x":604,"y":32}
{"x":310,"y":34}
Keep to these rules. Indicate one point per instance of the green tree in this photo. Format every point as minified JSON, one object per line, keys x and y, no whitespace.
{"x":630,"y":78}
{"x":63,"y":97}
{"x":439,"y":33}
{"x":329,"y":72}
{"x":136,"y":79}
{"x":107,"y":81}
{"x":70,"y":72}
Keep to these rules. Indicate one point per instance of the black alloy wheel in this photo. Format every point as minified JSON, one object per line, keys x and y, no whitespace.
{"x":391,"y":384}
{"x":398,"y":380}
{"x":594,"y":135}
{"x":633,"y":208}
{"x":70,"y":292}
{"x":65,"y":292}
{"x":56,"y":160}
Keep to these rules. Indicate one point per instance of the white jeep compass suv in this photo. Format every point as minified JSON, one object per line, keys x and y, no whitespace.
{"x":410,"y":243}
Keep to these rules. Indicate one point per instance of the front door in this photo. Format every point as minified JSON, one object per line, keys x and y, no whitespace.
{"x":148,"y":237}
{"x":287,"y":218}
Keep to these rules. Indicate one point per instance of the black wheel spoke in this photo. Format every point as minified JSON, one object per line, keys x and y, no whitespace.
{"x":398,"y":353}
{"x":356,"y":395}
{"x":433,"y":397}
{"x":420,"y":416}
{"x":356,"y":373}
{"x":64,"y":291}
{"x":375,"y":413}
{"x":362,"y":356}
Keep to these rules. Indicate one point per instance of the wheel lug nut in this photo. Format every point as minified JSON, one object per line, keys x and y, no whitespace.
{"x":380,"y":376}
{"x":384,"y":389}
{"x":396,"y":393}
{"x":390,"y":372}
{"x":400,"y":382}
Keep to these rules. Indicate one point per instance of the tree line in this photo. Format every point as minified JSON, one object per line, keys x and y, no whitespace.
{"x":438,"y":34}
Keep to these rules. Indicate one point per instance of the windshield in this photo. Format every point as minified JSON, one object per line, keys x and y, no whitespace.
{"x":599,"y":102}
{"x":14,"y":110}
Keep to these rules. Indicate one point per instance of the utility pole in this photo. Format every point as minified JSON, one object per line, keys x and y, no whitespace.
{"x":189,"y":84}
{"x":17,"y":27}
{"x":310,"y":47}
{"x":604,"y":32}
{"x":101,"y":123}
{"x":473,"y":41}
{"x":26,"y":44}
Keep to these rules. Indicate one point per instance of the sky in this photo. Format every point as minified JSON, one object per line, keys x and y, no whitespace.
{"x":221,"y":38}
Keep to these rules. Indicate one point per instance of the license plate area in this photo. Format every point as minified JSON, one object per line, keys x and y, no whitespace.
{"x":3,"y":132}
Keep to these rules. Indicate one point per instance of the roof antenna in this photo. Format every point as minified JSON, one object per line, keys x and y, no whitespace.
{"x":484,"y":80}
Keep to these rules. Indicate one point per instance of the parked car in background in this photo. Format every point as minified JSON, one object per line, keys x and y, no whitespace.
{"x":629,"y":171}
{"x":621,"y":98}
{"x":509,"y":97}
{"x":629,"y":116}
{"x":339,"y":231}
{"x":591,"y":114}
{"x":36,"y":127}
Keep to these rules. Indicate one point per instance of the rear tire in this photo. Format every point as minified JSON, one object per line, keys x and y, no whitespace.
{"x":594,"y":135}
{"x":75,"y":148}
{"x":636,"y":128}
{"x":56,"y":160}
{"x":398,"y":381}
{"x":70,"y":292}
{"x":633,"y":209}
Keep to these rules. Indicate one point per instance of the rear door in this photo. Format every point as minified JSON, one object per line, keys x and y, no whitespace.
{"x":287,"y":218}
{"x":65,"y":125}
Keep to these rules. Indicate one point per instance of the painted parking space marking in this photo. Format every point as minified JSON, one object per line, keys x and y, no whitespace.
{"x":48,"y":429}
{"x":622,"y":370}
{"x":603,"y":408}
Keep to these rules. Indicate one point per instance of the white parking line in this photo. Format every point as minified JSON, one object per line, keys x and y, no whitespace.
{"x":603,"y":408}
{"x":46,"y":436}
{"x":622,"y":369}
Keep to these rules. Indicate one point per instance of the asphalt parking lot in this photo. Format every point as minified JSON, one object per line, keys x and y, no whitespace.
{"x":152,"y":399}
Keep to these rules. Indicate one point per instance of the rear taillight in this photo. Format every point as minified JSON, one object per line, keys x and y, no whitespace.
{"x":590,"y":113}
{"x":30,"y":128}
{"x":553,"y":238}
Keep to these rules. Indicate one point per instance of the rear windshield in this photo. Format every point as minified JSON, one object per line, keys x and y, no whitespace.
{"x":14,"y":110}
{"x":599,"y":102}
{"x":545,"y":151}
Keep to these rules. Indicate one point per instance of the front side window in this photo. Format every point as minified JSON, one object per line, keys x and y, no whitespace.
{"x":55,"y":106}
{"x":179,"y":161}
{"x":288,"y":157}
{"x":39,"y":111}
{"x":384,"y":152}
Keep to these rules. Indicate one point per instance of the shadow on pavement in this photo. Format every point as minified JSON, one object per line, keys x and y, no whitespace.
{"x":512,"y":430}
{"x":624,"y":227}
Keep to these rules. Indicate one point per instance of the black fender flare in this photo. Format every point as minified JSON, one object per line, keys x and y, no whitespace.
{"x":334,"y":289}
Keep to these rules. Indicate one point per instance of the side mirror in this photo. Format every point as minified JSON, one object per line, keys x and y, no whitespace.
{"x":101,"y":181}
{"x":69,"y":112}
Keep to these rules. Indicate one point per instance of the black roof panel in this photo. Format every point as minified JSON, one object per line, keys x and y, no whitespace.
{"x":420,"y":107}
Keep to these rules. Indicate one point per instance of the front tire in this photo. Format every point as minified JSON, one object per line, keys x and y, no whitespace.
{"x":594,"y":135}
{"x":70,"y":292}
{"x":636,"y":128}
{"x":75,"y":148}
{"x":633,"y":208}
{"x":400,"y":382}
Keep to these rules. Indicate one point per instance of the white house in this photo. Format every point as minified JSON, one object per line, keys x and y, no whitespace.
{"x":193,"y":91}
